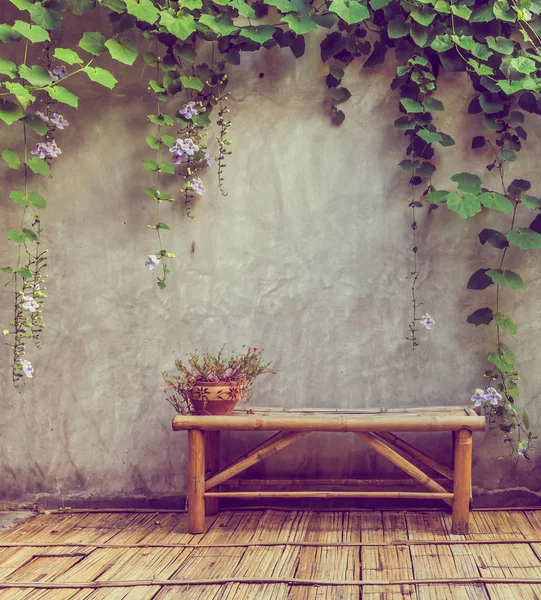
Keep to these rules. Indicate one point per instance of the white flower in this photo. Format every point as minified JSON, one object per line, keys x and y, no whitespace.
{"x":479,"y":397}
{"x":522,"y":448}
{"x":30,"y":304}
{"x":492,"y":396}
{"x":28,"y":369}
{"x":153,"y":261}
{"x":427,"y":321}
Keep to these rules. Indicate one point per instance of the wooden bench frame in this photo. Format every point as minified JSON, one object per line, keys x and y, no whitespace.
{"x":376,"y":428}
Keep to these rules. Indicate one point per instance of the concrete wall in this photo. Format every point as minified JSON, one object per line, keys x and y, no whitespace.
{"x":307,"y":257}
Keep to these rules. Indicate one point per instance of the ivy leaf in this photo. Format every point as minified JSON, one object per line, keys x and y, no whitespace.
{"x":530,"y":201}
{"x":260,"y":34}
{"x":181,"y":26}
{"x":494,"y":238}
{"x":168,"y":140}
{"x":219,"y":24}
{"x":34,"y":33}
{"x":36,"y":165}
{"x":352,"y":11}
{"x":7,"y":270}
{"x":505,"y":361}
{"x":47,"y":14}
{"x":505,"y":322}
{"x":479,"y":280}
{"x":30,"y":235}
{"x":411,"y":106}
{"x":466,"y":205}
{"x":404,"y":124}
{"x":162,"y":225}
{"x":150,"y":165}
{"x":10,"y":111}
{"x":478,"y":142}
{"x":507,"y":155}
{"x":36,"y":124}
{"x":441,"y":43}
{"x":446,"y":140}
{"x":482,"y":14}
{"x":118,"y":6}
{"x":12,"y":159}
{"x":35,"y":75}
{"x":61,"y":94}
{"x":7,"y":34}
{"x":93,"y":43}
{"x":433,"y":104}
{"x":340,"y":94}
{"x":101,"y":76}
{"x":429,"y":136}
{"x":332,"y":45}
{"x":22,"y":4}
{"x":161,"y":120}
{"x":490,"y":105}
{"x":192,"y":83}
{"x":461,"y":11}
{"x":24,"y":272}
{"x":79,"y":7}
{"x":419,"y":33}
{"x":438,"y":196}
{"x":483,"y":316}
{"x":37,"y":201}
{"x":24,"y":97}
{"x":377,"y":4}
{"x":524,"y":238}
{"x":496,"y":202}
{"x":122,"y":49}
{"x":508,"y":278}
{"x":500,"y":44}
{"x":166,"y":168}
{"x":410,"y":165}
{"x":397,"y":28}
{"x":424,"y":16}
{"x":16,"y":236}
{"x":19,"y":198}
{"x":326,"y":20}
{"x":502,"y":11}
{"x":523,"y":65}
{"x":67,"y":55}
{"x":153,"y":142}
{"x":299,"y":25}
{"x":467,"y":182}
{"x":9,"y":68}
{"x":377,"y":57}
{"x":143,"y":10}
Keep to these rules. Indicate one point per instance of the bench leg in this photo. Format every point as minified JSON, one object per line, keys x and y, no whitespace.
{"x":462,"y":481}
{"x":196,"y":481}
{"x":212,"y":466}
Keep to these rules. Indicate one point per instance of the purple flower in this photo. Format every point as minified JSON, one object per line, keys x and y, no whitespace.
{"x":189,"y":110}
{"x":28,"y":369}
{"x":427,"y":321}
{"x":53,"y":149}
{"x":30,"y":304}
{"x":59,"y":121}
{"x":42,"y":116}
{"x":188,"y":146}
{"x":197,"y":185}
{"x":479,"y":397}
{"x":41,"y":150}
{"x":58,"y":73}
{"x":208,"y":158}
{"x":152,"y":261}
{"x":492,"y":396}
{"x":522,"y":448}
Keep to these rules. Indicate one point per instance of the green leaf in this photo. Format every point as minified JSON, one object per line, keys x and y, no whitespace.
{"x":36,"y":124}
{"x":530,"y":201}
{"x":300,"y":25}
{"x":377,"y":4}
{"x":260,"y":34}
{"x":162,"y":225}
{"x":327,"y":20}
{"x":508,"y":278}
{"x":352,"y":11}
{"x":61,"y":94}
{"x":79,"y":7}
{"x":409,"y":165}
{"x":500,"y":44}
{"x":47,"y":14}
{"x":526,"y":419}
{"x":397,"y":28}
{"x":118,"y":6}
{"x":93,"y":43}
{"x":340,"y":94}
{"x":7,"y":270}
{"x":101,"y":76}
{"x":466,"y":205}
{"x":161,"y":120}
{"x":7,"y":34}
{"x":67,"y":55}
{"x":37,"y":165}
{"x":181,"y":27}
{"x":36,"y":200}
{"x":168,"y":140}
{"x":219,"y":24}
{"x":502,"y":11}
{"x":433,"y":104}
{"x":12,"y":159}
{"x":442,"y":43}
{"x":30,"y":235}
{"x":150,"y":165}
{"x":496,"y":202}
{"x":166,"y":168}
{"x":24,"y":97}
{"x":424,"y":16}
{"x":505,"y":322}
{"x":10,"y":112}
{"x":446,"y":140}
{"x":192,"y":83}
{"x":507,"y":155}
{"x":24,"y":272}
{"x":438,"y":196}
{"x":16,"y":236}
{"x":35,"y":75}
{"x":22,"y":4}
{"x":411,"y":106}
{"x":19,"y":198}
{"x":524,"y":238}
{"x":153,"y":142}
{"x":483,"y":316}
{"x":490,"y":104}
{"x":143,"y":10}
{"x":8,"y":68}
{"x":467,"y":182}
{"x":461,"y":11}
{"x":494,"y":238}
{"x":122,"y":49}
{"x":506,"y":366}
{"x":34,"y":33}
{"x":419,"y":33}
{"x":523,"y":65}
{"x":429,"y":136}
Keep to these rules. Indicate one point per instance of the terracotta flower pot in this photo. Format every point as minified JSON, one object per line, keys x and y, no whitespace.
{"x":215,"y":397}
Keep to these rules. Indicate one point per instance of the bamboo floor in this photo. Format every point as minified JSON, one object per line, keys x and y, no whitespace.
{"x":273,"y":555}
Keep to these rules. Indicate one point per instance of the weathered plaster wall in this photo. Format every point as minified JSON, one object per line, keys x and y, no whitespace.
{"x":307,"y":257}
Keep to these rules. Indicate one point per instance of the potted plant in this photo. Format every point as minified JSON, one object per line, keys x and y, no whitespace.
{"x":213,"y":384}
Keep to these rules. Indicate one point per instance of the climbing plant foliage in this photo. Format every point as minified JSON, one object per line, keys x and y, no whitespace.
{"x":192,"y":45}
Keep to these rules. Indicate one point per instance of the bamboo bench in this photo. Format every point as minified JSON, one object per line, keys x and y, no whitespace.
{"x":374,"y":427}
